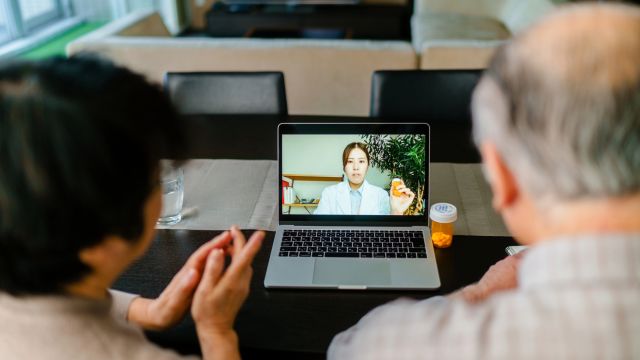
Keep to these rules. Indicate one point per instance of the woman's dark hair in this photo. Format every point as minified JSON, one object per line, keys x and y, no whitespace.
{"x":80,"y":145}
{"x":347,"y":151}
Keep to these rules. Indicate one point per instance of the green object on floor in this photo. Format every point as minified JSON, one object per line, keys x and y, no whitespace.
{"x":56,"y":45}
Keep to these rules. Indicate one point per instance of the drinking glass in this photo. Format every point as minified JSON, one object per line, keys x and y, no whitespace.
{"x":172,"y":182}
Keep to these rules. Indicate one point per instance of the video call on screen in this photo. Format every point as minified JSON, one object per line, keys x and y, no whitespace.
{"x":351,"y":174}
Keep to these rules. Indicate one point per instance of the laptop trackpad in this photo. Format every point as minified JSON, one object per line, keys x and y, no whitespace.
{"x":359,"y":272}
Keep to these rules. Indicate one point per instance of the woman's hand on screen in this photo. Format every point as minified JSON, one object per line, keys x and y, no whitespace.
{"x":400,"y":204}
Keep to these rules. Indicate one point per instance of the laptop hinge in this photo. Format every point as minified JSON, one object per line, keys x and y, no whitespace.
{"x":355,"y":224}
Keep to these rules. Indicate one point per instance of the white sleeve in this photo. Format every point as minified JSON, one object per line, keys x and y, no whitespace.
{"x":121,"y":303}
{"x":385,"y":203}
{"x":323,"y":206}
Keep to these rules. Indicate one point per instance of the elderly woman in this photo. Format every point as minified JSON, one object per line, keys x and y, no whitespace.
{"x":80,"y":148}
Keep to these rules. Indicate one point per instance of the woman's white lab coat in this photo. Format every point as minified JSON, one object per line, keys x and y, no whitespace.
{"x":336,"y":200}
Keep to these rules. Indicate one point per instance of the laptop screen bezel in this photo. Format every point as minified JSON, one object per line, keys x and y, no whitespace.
{"x":353,"y":128}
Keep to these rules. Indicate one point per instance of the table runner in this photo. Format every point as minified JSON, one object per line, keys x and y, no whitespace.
{"x":219,"y":193}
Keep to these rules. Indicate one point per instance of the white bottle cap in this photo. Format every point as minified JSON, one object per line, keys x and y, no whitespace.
{"x":443,"y":213}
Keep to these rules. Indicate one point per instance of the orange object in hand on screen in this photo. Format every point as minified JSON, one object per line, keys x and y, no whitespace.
{"x":394,"y":187}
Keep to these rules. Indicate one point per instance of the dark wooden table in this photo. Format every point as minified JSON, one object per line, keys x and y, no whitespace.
{"x":296,"y":324}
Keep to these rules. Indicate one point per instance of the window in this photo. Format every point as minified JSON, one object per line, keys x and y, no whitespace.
{"x":35,"y":13}
{"x":20,"y":18}
{"x":27,"y":24}
{"x":4,"y":32}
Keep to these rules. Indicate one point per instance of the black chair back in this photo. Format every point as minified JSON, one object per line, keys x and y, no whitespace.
{"x":432,"y":95}
{"x":227,"y":93}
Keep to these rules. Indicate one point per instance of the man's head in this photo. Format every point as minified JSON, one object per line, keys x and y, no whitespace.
{"x":80,"y":144}
{"x":560,"y":107}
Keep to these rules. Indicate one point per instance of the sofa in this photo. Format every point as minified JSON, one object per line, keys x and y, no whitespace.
{"x":463,"y":34}
{"x":322,"y":77}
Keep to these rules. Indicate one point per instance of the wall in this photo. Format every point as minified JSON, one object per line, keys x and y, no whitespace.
{"x":93,"y":10}
{"x":109,"y":10}
{"x":320,"y":155}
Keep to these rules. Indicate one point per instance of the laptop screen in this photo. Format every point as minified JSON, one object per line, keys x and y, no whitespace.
{"x":352,"y":172}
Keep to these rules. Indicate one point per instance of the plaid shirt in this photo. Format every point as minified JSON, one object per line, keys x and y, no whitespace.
{"x":578,"y":298}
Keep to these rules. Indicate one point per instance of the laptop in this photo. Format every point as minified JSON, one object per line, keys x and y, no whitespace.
{"x":341,"y":225}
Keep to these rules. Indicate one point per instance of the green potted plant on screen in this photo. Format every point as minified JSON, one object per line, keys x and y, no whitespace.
{"x":403,"y":157}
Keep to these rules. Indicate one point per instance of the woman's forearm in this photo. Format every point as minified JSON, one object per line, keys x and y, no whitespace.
{"x":218,"y":345}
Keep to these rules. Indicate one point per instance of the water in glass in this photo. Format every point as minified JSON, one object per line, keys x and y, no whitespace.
{"x":172,"y":196}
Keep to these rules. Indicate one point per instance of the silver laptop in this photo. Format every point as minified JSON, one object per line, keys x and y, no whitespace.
{"x":353,"y":208}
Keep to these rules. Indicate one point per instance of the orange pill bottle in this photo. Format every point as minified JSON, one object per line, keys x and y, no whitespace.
{"x":442,"y":215}
{"x":394,"y":186}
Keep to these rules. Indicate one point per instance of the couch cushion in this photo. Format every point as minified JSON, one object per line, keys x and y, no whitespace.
{"x":518,"y":15}
{"x":449,"y":26}
{"x":457,"y":54}
{"x":486,"y":8}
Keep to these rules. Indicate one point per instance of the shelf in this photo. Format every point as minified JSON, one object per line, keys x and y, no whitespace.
{"x":298,"y":177}
{"x":300,"y":205}
{"x":313,"y":177}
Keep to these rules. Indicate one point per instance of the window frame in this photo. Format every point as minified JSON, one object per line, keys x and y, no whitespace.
{"x":4,"y":34}
{"x":43,"y":19}
{"x":15,"y":27}
{"x":10,"y":30}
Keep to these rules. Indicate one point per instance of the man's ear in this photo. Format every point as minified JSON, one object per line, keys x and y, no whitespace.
{"x":503,"y":184}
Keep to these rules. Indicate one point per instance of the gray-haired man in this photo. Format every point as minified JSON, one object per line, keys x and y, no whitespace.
{"x":557,"y":120}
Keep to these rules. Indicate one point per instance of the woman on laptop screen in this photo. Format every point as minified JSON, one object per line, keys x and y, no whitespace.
{"x":356,"y":196}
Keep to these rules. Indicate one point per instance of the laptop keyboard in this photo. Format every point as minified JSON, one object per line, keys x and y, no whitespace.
{"x":353,"y":243}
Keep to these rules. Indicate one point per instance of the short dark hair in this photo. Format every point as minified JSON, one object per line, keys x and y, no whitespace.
{"x":347,"y":151}
{"x":80,"y":145}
